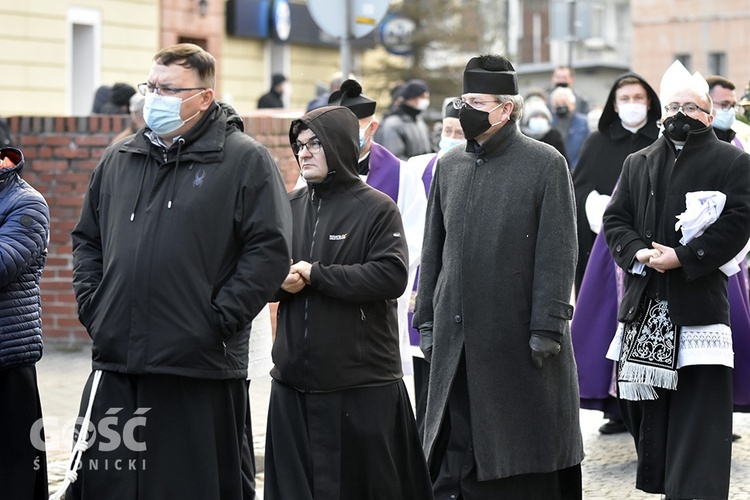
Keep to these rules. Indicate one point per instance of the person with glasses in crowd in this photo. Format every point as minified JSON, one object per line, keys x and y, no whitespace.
{"x":674,"y":344}
{"x":184,"y":234}
{"x":724,"y":99}
{"x":340,"y":423}
{"x":492,"y":306}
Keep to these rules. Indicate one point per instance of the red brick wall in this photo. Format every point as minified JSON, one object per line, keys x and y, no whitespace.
{"x":61,"y":153}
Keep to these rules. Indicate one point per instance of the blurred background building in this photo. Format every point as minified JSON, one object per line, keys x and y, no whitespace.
{"x":56,"y":53}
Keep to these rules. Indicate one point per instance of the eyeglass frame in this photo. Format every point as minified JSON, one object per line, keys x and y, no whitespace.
{"x":682,"y":107}
{"x":726,"y":106}
{"x":297,"y":146}
{"x":459,"y":103}
{"x":147,"y":88}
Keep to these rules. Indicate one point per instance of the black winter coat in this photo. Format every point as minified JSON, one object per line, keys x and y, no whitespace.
{"x":341,"y":331}
{"x":600,"y":163}
{"x":178,"y":249}
{"x":697,"y":291}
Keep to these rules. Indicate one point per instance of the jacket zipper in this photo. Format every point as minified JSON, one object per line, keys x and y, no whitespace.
{"x":312,"y":248}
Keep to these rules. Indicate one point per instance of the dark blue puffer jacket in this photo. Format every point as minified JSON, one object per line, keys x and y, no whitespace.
{"x":24,"y":234}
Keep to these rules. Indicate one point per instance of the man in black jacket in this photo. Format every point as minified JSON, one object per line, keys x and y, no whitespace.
{"x":340,"y":424}
{"x":674,"y":348}
{"x":184,"y":235}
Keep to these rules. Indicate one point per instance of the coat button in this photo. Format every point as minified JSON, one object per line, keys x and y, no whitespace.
{"x":648,"y":233}
{"x":701,"y":252}
{"x":480,"y":162}
{"x":457,"y":318}
{"x":630,"y":311}
{"x":618,"y":248}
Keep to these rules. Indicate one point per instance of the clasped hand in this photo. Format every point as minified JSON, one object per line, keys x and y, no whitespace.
{"x":298,"y":277}
{"x":661,"y":258}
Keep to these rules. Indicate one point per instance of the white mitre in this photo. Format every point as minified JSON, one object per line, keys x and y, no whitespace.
{"x":678,"y":78}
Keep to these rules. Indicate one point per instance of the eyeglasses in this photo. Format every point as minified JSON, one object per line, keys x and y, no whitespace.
{"x":147,"y":88}
{"x":726,"y":106}
{"x":313,"y":146}
{"x":459,"y":103}
{"x":689,"y":108}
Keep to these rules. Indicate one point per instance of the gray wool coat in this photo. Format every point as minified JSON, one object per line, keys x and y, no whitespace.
{"x":498,"y":262}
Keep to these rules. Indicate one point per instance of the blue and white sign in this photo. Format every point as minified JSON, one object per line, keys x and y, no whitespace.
{"x":396,"y":32}
{"x":282,"y":19}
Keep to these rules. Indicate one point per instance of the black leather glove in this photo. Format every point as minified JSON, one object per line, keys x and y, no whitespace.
{"x":425,"y":340}
{"x":542,"y":348}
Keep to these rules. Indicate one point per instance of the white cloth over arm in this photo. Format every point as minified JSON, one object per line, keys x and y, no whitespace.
{"x":702,"y":208}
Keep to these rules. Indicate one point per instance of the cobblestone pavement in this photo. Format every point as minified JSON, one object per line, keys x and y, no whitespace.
{"x":608,"y":470}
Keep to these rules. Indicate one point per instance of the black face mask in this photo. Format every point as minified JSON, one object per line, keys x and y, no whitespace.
{"x":561,"y":84}
{"x":677,"y":126}
{"x":473,"y":121}
{"x":562,"y":111}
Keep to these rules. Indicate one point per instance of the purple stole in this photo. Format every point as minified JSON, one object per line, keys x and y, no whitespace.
{"x":384,"y":172}
{"x":427,"y":175}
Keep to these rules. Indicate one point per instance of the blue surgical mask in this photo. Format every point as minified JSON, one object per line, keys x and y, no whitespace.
{"x":723,"y":119}
{"x":447,"y":143}
{"x":162,"y":113}
{"x":362,"y":139}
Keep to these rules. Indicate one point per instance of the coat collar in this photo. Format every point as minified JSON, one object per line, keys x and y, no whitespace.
{"x":497,"y":142}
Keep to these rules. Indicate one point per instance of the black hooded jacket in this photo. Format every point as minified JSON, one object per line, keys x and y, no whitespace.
{"x":341,"y":331}
{"x":177,"y":249}
{"x":602,"y":156}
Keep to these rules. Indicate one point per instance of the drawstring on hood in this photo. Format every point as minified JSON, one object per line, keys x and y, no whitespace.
{"x":170,"y":192}
{"x":140,"y":188}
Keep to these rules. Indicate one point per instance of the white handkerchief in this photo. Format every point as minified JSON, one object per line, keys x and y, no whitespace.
{"x":702,"y":208}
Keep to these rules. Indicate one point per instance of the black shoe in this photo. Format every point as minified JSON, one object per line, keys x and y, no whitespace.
{"x":613,"y":427}
{"x":735,"y":437}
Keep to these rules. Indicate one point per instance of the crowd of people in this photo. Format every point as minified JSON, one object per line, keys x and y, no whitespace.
{"x":523,"y":264}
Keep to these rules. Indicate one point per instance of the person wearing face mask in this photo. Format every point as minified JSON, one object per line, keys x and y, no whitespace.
{"x":673,"y":346}
{"x":184,"y":234}
{"x":537,"y":123}
{"x":572,"y":124}
{"x":725,"y":109}
{"x":627,"y":124}
{"x":492,"y":306}
{"x":380,"y":169}
{"x":724,"y":100}
{"x":403,"y":132}
{"x":451,"y":136}
{"x":564,"y":76}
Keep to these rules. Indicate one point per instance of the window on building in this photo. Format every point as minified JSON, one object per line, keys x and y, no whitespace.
{"x":717,"y":63}
{"x":84,"y":59}
{"x":685,"y":59}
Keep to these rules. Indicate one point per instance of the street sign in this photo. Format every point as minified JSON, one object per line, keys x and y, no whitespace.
{"x":364,"y":15}
{"x":396,"y":32}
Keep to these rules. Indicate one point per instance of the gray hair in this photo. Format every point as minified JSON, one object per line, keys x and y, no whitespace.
{"x":516,"y":100}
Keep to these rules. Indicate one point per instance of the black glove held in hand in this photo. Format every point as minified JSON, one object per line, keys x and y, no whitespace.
{"x":425,"y":340}
{"x":541,"y":348}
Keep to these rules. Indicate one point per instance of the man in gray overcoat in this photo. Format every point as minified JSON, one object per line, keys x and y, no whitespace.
{"x":493,"y":306}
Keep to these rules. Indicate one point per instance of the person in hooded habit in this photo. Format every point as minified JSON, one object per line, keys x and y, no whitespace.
{"x":628,"y":123}
{"x":676,"y":225}
{"x":492,"y":306}
{"x":340,"y":423}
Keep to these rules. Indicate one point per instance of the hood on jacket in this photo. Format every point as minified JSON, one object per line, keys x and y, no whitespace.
{"x":233,"y":118}
{"x":338,"y":131}
{"x":10,"y":156}
{"x":610,"y":116}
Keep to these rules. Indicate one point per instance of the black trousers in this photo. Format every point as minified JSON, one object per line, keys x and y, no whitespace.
{"x":684,"y":438}
{"x":23,"y":461}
